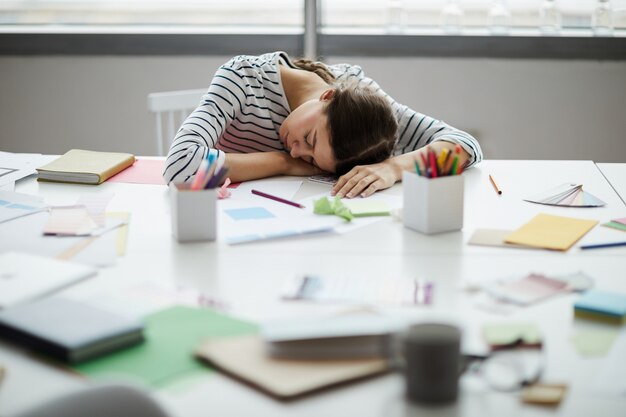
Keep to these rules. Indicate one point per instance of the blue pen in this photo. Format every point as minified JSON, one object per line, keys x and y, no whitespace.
{"x":603,"y":245}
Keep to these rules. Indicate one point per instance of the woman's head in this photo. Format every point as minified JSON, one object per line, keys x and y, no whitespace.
{"x":347,"y":126}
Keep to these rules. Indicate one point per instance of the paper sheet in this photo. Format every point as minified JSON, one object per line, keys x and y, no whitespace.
{"x":611,"y":379}
{"x":15,"y":166}
{"x":143,"y":171}
{"x":167,"y":354}
{"x":594,"y":342}
{"x":551,"y":232}
{"x":15,"y":205}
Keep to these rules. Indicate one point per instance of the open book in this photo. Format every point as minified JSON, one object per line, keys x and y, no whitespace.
{"x":85,"y":167}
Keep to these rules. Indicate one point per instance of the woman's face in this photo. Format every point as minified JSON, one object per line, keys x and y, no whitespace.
{"x":305,"y":135}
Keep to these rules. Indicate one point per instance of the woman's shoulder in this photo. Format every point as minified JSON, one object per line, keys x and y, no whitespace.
{"x":265,"y":62}
{"x":347,"y":71}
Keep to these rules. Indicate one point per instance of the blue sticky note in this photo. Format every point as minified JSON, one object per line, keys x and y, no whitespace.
{"x":603,"y":302}
{"x":249,"y":213}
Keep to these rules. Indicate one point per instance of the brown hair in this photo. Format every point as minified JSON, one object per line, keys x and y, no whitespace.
{"x":361,"y":122}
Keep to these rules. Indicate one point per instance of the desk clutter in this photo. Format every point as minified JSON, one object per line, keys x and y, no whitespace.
{"x":178,"y":335}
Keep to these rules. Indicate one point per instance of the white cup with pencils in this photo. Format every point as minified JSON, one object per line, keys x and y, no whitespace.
{"x":193,"y":205}
{"x":433,"y":195}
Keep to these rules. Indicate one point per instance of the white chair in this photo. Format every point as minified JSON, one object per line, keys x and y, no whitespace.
{"x":171,"y":108}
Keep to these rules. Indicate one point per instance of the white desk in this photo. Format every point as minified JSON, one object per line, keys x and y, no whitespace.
{"x":248,"y":278}
{"x":616,"y":175}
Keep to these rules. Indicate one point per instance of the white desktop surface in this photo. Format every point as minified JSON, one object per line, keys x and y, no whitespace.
{"x":248,"y":278}
{"x":615,"y":173}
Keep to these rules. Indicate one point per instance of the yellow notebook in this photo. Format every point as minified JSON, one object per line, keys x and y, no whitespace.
{"x":85,"y":167}
{"x":551,"y":232}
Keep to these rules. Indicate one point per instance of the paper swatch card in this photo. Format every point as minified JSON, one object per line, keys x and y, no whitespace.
{"x":569,"y":195}
{"x":551,"y":232}
{"x":527,"y":290}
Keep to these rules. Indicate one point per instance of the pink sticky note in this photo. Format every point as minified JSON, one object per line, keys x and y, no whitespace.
{"x":143,"y":171}
{"x":622,"y":220}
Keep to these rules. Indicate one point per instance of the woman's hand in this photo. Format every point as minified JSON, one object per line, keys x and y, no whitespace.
{"x":365,"y":180}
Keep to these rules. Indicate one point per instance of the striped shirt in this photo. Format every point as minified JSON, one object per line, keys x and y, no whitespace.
{"x":246,"y":104}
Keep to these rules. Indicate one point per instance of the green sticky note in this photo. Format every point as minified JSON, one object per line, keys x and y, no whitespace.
{"x":615,"y":225}
{"x":594,"y":342}
{"x":508,"y":334}
{"x":366,"y":207}
{"x":166,"y":356}
{"x":336,"y":207}
{"x":322,"y":206}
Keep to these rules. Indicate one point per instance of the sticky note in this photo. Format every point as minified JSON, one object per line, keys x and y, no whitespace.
{"x":508,"y":334}
{"x":249,"y":213}
{"x":544,"y":394}
{"x":551,"y":232}
{"x":365,"y":207}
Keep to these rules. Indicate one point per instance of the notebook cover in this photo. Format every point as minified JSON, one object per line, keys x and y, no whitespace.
{"x":244,"y":358}
{"x":81,"y":166}
{"x":68,"y":330}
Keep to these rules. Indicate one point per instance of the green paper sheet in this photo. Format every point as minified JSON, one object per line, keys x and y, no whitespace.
{"x":336,"y":207}
{"x":594,"y":342}
{"x":166,"y":356}
{"x":504,"y":334}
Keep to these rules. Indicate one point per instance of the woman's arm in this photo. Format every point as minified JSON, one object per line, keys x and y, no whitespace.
{"x":253,"y":166}
{"x":365,"y":180}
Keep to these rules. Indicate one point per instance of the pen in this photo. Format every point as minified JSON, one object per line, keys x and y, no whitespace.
{"x":495,"y":186}
{"x":603,"y":245}
{"x":273,"y":197}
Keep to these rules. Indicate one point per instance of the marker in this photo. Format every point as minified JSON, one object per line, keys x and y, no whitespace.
{"x":280,"y":200}
{"x":433,"y":164}
{"x":495,"y":186}
{"x":417,"y":167}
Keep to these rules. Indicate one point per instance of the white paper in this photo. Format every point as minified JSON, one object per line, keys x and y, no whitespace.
{"x":25,"y":277}
{"x":14,"y":166}
{"x":15,"y":205}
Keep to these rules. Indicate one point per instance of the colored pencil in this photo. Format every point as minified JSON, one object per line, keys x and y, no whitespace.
{"x":273,"y":197}
{"x":603,"y":245}
{"x":495,"y":186}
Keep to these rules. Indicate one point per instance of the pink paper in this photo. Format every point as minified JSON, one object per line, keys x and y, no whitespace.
{"x":622,"y":220}
{"x":143,"y":171}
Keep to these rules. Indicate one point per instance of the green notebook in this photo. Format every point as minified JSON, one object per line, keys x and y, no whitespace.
{"x":85,"y":167}
{"x":167,"y":355}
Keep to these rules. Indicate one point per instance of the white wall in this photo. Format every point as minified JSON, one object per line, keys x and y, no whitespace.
{"x":517,"y":108}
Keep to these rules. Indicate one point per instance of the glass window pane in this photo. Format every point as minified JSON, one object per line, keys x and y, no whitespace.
{"x":206,"y":13}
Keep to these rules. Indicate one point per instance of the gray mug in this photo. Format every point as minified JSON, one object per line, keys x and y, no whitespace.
{"x":432,"y":355}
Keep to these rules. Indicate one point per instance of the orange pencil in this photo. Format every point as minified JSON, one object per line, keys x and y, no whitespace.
{"x":495,"y":186}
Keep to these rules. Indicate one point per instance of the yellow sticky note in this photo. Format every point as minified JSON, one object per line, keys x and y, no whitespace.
{"x":551,"y":232}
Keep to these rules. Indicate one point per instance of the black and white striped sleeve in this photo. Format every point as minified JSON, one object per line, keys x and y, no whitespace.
{"x":416,"y":130}
{"x":205,"y":125}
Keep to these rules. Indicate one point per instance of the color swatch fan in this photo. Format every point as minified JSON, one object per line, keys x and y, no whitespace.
{"x":569,"y":195}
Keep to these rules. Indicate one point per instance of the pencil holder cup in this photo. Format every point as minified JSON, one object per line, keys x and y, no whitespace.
{"x":432,"y":205}
{"x":193,"y":213}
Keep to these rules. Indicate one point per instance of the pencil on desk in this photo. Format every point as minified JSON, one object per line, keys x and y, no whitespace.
{"x":603,"y":245}
{"x":495,"y":186}
{"x":273,"y":197}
